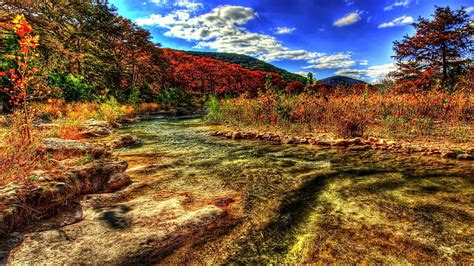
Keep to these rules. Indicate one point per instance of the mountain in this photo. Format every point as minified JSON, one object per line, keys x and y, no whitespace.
{"x":341,"y":80}
{"x":250,"y":63}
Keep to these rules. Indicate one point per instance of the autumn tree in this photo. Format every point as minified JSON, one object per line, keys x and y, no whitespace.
{"x":440,"y":49}
{"x":20,"y":83}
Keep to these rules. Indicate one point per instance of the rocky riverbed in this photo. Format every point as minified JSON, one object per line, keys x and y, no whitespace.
{"x":194,"y":198}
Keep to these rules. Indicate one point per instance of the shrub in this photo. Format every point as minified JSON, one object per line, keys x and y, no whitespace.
{"x":214,"y":114}
{"x":110,"y":110}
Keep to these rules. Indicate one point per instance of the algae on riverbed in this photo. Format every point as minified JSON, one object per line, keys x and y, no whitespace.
{"x":279,"y":204}
{"x":310,"y":204}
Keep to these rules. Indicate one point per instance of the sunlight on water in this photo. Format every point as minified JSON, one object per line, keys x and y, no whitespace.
{"x":308,"y":204}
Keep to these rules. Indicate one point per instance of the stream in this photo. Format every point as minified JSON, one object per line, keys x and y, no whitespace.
{"x":289,"y":203}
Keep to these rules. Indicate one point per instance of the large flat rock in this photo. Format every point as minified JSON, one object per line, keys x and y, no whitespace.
{"x":143,"y":230}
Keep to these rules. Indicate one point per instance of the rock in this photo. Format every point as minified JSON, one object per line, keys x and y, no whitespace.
{"x":323,"y":143}
{"x":117,"y":181}
{"x":73,"y":147}
{"x":449,"y":154}
{"x":373,"y":140}
{"x":290,"y":140}
{"x":141,"y":231}
{"x":355,"y":141}
{"x":470,"y":150}
{"x":340,"y":143}
{"x":236,"y":135}
{"x":359,"y":148}
{"x":303,"y":141}
{"x":124,"y":141}
{"x":465,"y":156}
{"x":48,"y":194}
{"x":228,"y":134}
{"x":95,"y":128}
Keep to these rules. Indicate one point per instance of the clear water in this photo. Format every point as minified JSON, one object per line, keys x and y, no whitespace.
{"x":301,"y":204}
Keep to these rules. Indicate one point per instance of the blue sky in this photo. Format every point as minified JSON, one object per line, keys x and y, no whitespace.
{"x":326,"y":37}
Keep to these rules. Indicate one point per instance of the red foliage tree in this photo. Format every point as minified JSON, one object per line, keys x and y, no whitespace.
{"x":294,"y":87}
{"x":438,"y":50}
{"x":201,"y":75}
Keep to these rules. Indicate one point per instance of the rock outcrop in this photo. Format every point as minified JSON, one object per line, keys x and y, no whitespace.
{"x":27,"y":202}
{"x":73,"y":147}
{"x":141,"y":231}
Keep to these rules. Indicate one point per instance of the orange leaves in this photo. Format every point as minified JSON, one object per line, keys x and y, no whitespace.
{"x":21,"y":26}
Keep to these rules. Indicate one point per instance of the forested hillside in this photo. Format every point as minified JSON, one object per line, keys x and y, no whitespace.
{"x":250,"y":63}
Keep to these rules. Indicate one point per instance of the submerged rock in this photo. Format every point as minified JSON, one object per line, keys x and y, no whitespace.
{"x":143,"y":230}
{"x":124,"y":141}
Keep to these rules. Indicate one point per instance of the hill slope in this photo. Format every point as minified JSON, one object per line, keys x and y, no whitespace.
{"x":250,"y":63}
{"x":341,"y":80}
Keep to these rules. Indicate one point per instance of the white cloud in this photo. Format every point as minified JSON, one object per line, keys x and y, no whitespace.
{"x":398,"y":3}
{"x":373,"y":72}
{"x":403,"y":20}
{"x":469,"y":9}
{"x":189,"y":5}
{"x":302,"y":73}
{"x":349,"y":2}
{"x":363,"y":62}
{"x":284,"y":30}
{"x":295,"y":55}
{"x":223,"y":29}
{"x":342,"y":60}
{"x":347,"y":20}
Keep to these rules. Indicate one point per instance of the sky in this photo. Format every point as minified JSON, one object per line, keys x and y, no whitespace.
{"x":326,"y":37}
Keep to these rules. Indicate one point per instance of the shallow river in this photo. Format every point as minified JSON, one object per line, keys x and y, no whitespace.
{"x":309,"y":204}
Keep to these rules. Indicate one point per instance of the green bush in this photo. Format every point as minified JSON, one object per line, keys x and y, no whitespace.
{"x":174,"y":97}
{"x":214,"y":113}
{"x":73,"y":88}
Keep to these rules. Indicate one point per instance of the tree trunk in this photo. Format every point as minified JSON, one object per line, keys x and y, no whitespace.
{"x":445,"y":67}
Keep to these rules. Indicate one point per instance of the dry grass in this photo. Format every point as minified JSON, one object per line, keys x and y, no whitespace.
{"x":356,"y":114}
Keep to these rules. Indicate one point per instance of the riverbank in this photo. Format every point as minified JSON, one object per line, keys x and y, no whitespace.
{"x":422,"y":146}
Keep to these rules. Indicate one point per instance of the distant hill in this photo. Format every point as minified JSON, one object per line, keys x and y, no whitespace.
{"x":250,"y":63}
{"x":341,"y":80}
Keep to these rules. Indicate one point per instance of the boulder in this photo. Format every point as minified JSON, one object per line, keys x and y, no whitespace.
{"x":465,"y":156}
{"x":290,"y":140}
{"x":340,"y":143}
{"x":141,"y":231}
{"x":449,"y":154}
{"x":124,"y":141}
{"x":236,"y":135}
{"x":95,"y":128}
{"x":73,"y":147}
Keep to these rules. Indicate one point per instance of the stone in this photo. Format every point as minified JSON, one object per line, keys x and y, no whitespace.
{"x":141,"y":231}
{"x":465,"y":156}
{"x":124,"y":141}
{"x":117,"y":181}
{"x":323,"y":143}
{"x":228,"y":134}
{"x":373,"y":140}
{"x":289,"y":140}
{"x":354,"y":141}
{"x":236,"y":135}
{"x":96,"y":128}
{"x":449,"y":154}
{"x":73,"y":147}
{"x":359,"y":148}
{"x":340,"y":143}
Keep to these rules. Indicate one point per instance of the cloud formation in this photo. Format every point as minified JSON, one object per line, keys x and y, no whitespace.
{"x":403,"y":20}
{"x":373,"y":72}
{"x":342,"y":60}
{"x":398,"y":3}
{"x":347,"y":20}
{"x":284,"y":30}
